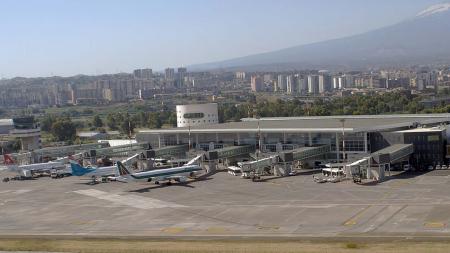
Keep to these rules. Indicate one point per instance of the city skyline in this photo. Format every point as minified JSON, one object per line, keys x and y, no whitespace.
{"x":66,"y":38}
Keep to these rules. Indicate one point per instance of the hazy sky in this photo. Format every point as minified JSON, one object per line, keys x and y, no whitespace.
{"x":62,"y":37}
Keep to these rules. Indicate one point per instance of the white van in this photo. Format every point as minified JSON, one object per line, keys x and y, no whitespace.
{"x":234,"y":170}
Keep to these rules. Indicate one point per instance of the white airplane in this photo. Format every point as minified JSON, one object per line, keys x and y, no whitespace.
{"x":28,"y":169}
{"x":178,"y":174}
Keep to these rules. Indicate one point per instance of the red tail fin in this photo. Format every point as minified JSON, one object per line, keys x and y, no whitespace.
{"x":8,"y":160}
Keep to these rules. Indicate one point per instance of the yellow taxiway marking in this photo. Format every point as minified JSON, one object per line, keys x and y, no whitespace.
{"x":354,"y":220}
{"x":434,"y":224}
{"x":350,"y":222}
{"x":173,"y":230}
{"x":268,"y":227}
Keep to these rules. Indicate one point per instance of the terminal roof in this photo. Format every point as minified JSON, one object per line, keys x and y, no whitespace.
{"x":362,"y":123}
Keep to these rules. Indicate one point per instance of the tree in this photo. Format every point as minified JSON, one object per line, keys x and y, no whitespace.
{"x":154,"y":120}
{"x":47,"y":122}
{"x":64,"y":129}
{"x":97,"y":121}
{"x":127,"y":125}
{"x":111,"y":122}
{"x":88,"y":111}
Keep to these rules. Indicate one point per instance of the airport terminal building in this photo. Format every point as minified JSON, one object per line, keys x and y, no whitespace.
{"x":361,"y":135}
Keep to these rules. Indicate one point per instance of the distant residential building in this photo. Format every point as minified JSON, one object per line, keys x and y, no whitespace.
{"x":302,"y":84}
{"x":257,"y":84}
{"x":143,"y":73}
{"x":313,"y":84}
{"x":240,"y":75}
{"x":342,"y":82}
{"x":268,"y":78}
{"x":147,"y":73}
{"x":349,"y":81}
{"x":169,"y":73}
{"x":281,"y":83}
{"x":291,"y":86}
{"x":181,"y":74}
{"x":324,"y":83}
{"x":137,"y":73}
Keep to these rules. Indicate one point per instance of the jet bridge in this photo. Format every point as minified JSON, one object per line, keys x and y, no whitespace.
{"x":121,"y":150}
{"x":393,"y":153}
{"x":168,"y":151}
{"x":228,"y":152}
{"x":281,"y":164}
{"x":38,"y":155}
{"x":303,"y":153}
{"x":258,"y":164}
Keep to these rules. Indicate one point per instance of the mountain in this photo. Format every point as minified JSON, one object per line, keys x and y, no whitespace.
{"x":424,"y":39}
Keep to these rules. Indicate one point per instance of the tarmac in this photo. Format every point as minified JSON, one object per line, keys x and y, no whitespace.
{"x":226,"y":206}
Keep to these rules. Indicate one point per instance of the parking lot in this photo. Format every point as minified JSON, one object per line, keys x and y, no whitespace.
{"x":223,"y":205}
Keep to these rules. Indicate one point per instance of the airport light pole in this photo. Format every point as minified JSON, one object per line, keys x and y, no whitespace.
{"x":259,"y":137}
{"x":343,"y":139}
{"x":259,"y":145}
{"x":189,"y":136}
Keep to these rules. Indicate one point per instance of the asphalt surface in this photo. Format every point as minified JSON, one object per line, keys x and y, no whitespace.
{"x":409,"y":205}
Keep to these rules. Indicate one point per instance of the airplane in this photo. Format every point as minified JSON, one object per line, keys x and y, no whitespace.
{"x":28,"y":170}
{"x":178,"y":174}
{"x":107,"y":172}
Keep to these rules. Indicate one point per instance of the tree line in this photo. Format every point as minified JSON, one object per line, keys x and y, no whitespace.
{"x":358,"y":104}
{"x":64,"y":129}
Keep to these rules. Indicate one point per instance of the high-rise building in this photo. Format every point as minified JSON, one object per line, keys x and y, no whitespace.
{"x":143,"y":73}
{"x":291,"y":86}
{"x":137,"y":73}
{"x":349,"y":81}
{"x":240,"y":75}
{"x":256,"y":84}
{"x":302,"y":84}
{"x":181,"y":74}
{"x":338,"y":82}
{"x":169,"y":73}
{"x":313,"y":84}
{"x":267,"y":78}
{"x":282,"y":86}
{"x":182,"y":70}
{"x":324,"y":83}
{"x":147,"y":73}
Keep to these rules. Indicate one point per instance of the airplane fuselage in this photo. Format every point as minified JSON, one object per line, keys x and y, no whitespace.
{"x":175,"y":174}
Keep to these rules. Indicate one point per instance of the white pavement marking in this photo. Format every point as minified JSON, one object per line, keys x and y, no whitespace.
{"x":20,"y":191}
{"x":128,"y":200}
{"x":15,"y":191}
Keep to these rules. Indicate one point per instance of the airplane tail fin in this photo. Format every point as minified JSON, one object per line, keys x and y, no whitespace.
{"x":123,"y":171}
{"x":193,"y":161}
{"x":8,"y":160}
{"x":78,"y":170}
